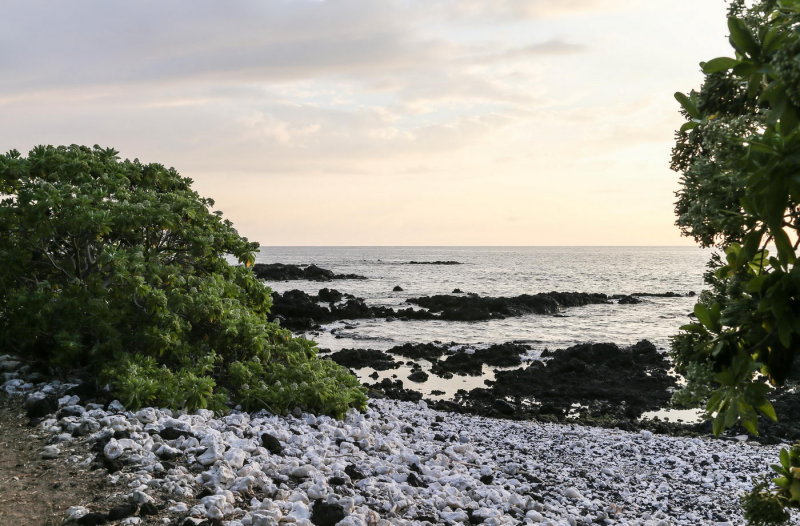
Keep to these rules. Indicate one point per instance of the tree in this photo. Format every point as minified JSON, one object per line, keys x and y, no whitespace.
{"x":739,"y":155}
{"x":117,"y":271}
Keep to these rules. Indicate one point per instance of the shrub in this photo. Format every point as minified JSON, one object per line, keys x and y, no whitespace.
{"x":117,"y":270}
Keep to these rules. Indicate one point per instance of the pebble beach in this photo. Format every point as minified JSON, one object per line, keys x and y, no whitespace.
{"x":396,"y":463}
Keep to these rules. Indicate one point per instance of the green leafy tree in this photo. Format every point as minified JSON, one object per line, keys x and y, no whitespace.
{"x":739,"y":155}
{"x":116,"y":270}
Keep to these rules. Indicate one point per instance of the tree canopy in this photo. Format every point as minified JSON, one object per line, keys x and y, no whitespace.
{"x":739,"y":155}
{"x":117,"y":271}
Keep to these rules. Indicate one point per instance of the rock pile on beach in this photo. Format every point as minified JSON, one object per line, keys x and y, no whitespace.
{"x":398,"y":463}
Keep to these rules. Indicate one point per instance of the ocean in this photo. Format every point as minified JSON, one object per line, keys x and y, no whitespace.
{"x":503,"y":271}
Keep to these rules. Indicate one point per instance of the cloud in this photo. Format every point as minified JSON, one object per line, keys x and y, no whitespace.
{"x":530,"y":9}
{"x":474,"y":99}
{"x":84,"y":43}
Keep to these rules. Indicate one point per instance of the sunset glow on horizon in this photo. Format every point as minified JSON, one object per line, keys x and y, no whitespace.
{"x":393,"y":122}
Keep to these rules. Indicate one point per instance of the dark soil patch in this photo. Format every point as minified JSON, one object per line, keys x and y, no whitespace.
{"x":37,"y":491}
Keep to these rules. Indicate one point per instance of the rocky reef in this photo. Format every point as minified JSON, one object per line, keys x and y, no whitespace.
{"x":285,"y":272}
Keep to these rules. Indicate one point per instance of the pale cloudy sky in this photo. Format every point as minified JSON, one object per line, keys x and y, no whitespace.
{"x":377,"y":122}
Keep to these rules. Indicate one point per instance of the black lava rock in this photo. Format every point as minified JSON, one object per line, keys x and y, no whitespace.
{"x":357,"y":358}
{"x":92,"y":518}
{"x":282,"y":272}
{"x":353,"y":472}
{"x":38,"y":405}
{"x":503,"y":407}
{"x":437,"y":262}
{"x":171,"y":433}
{"x":586,"y":374}
{"x":629,"y":300}
{"x":397,"y":288}
{"x":148,"y":508}
{"x":473,"y":307}
{"x":70,"y":410}
{"x":337,"y":481}
{"x":325,"y":514}
{"x":418,"y":376}
{"x":272,"y":444}
{"x":329,"y":295}
{"x":122,"y":511}
{"x":414,"y":481}
{"x":394,"y":389}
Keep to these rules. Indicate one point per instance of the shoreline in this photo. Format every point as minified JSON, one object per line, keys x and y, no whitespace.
{"x":398,"y":463}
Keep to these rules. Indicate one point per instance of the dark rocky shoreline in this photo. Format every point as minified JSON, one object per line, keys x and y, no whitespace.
{"x":580,"y":384}
{"x":284,"y":272}
{"x":298,"y":310}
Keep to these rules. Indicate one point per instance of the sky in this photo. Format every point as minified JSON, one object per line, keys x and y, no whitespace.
{"x":377,"y":122}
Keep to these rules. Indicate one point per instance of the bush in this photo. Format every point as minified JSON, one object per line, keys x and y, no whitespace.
{"x":739,"y":155}
{"x":116,"y":270}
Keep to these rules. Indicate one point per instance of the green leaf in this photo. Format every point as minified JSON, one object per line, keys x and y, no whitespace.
{"x":761,"y":147}
{"x":786,"y":461}
{"x":718,"y":64}
{"x":757,"y":283}
{"x":713,"y":405}
{"x":731,"y":415}
{"x":688,"y":105}
{"x":786,"y":253}
{"x":768,"y":410}
{"x":750,"y":425}
{"x":718,"y":424}
{"x":686,"y":126}
{"x":692,"y":327}
{"x":781,"y":482}
{"x":789,"y":120}
{"x":741,"y":38}
{"x":703,"y":314}
{"x":709,"y":316}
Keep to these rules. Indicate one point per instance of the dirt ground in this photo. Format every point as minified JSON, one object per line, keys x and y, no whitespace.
{"x":35,"y":491}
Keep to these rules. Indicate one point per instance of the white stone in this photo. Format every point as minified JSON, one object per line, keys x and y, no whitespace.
{"x":140,"y":497}
{"x":180,"y":507}
{"x":534,"y":516}
{"x":235,"y":457}
{"x":75,"y":512}
{"x":211,"y":455}
{"x":572,"y":493}
{"x":303,"y":471}
{"x":49,"y":452}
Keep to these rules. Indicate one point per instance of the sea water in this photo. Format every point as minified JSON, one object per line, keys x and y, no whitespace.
{"x":507,"y":271}
{"x":503,"y":271}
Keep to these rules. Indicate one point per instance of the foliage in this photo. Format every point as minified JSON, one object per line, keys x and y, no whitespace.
{"x":117,"y":269}
{"x":739,"y":154}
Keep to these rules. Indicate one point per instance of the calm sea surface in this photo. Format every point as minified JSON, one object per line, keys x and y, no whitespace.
{"x":506,"y":271}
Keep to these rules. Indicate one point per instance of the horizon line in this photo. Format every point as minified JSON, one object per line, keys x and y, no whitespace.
{"x":483,"y":246}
